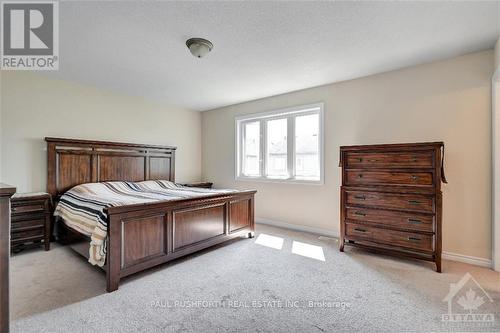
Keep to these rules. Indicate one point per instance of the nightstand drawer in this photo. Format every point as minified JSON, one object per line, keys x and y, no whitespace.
{"x":28,"y":216}
{"x":32,"y":207}
{"x":35,"y":233}
{"x":23,"y":224}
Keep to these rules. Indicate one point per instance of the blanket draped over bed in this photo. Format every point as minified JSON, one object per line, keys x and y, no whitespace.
{"x":82,"y":208}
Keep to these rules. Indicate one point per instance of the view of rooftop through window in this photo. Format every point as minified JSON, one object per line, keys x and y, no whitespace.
{"x":276,"y":148}
{"x":252,"y":149}
{"x":307,"y":146}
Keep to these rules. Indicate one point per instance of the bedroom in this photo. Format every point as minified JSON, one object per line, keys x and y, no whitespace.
{"x":226,"y":173}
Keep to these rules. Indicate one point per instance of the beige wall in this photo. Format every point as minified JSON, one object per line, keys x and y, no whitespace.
{"x":448,"y":100}
{"x":34,"y":106}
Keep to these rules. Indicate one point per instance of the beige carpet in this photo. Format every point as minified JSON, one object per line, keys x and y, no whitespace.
{"x":263,"y":284}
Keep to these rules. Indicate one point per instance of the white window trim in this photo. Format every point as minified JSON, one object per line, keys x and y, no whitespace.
{"x":289,"y":112}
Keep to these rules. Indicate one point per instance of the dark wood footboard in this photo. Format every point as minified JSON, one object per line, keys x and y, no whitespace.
{"x":145,"y":235}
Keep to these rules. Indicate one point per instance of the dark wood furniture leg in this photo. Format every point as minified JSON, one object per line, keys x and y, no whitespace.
{"x":47,"y":233}
{"x":438,"y":264}
{"x":113,"y":256}
{"x":6,"y":192}
{"x":342,"y":227}
{"x":439,"y":233}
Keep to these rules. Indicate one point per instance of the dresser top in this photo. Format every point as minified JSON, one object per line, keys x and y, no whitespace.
{"x":6,"y":190}
{"x":394,"y":145}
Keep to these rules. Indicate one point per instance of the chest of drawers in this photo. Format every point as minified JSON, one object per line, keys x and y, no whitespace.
{"x":30,"y":220}
{"x":391,"y":199}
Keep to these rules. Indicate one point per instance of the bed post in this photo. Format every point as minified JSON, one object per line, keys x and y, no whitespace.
{"x":251,"y":234}
{"x":113,"y":255}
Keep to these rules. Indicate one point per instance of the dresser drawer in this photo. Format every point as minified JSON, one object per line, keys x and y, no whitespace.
{"x":363,"y":177}
{"x":407,"y":240}
{"x":390,"y":218}
{"x":389,"y":160}
{"x":413,"y":202}
{"x":31,"y":208}
{"x":23,"y":224}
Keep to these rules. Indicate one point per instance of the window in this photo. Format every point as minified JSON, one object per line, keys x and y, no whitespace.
{"x":284,"y":145}
{"x":251,"y":149}
{"x":276,"y":148}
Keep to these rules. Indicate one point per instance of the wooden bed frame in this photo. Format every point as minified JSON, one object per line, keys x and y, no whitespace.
{"x":141,"y":236}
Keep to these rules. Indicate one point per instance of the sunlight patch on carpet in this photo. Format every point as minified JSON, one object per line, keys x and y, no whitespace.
{"x":270,"y":241}
{"x":308,"y":250}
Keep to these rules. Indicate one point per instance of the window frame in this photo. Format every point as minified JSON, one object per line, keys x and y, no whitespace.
{"x":290,"y":114}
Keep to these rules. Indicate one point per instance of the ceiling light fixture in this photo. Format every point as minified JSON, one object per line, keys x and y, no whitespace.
{"x":199,"y":47}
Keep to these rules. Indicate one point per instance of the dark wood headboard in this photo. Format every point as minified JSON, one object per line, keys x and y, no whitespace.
{"x":72,"y":162}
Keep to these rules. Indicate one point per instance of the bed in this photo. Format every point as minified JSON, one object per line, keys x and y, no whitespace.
{"x":144,"y":233}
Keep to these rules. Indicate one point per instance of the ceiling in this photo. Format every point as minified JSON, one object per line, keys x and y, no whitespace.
{"x":260,"y":48}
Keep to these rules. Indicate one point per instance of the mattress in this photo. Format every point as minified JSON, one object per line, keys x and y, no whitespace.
{"x":83,"y":208}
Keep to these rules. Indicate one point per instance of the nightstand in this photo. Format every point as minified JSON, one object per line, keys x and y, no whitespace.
{"x":199,"y":184}
{"x":30,"y":220}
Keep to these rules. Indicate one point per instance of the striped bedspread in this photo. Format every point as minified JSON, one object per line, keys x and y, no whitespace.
{"x":82,"y":208}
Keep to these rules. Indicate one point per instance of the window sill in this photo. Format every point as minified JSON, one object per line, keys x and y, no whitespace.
{"x":280,"y":181}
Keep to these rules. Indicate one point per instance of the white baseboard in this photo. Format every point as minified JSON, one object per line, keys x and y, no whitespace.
{"x":467,"y":259}
{"x":331,"y":233}
{"x":297,"y":227}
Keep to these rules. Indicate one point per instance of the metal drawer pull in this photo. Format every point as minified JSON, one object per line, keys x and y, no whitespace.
{"x":416,"y":239}
{"x":360,"y":213}
{"x":413,"y":177}
{"x":414,"y":202}
{"x":360,"y":175}
{"x":414,"y":221}
{"x":360,"y":159}
{"x":372,"y":160}
{"x":360,"y":230}
{"x":13,"y":209}
{"x":361,"y":197}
